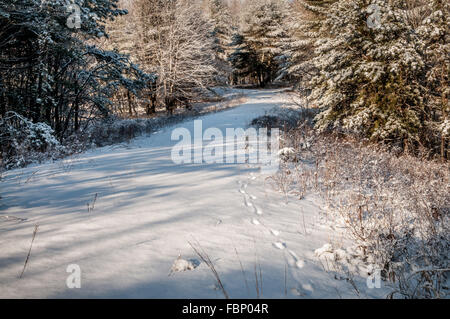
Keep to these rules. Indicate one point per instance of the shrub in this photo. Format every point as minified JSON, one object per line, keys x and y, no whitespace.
{"x":24,"y":141}
{"x":396,"y":208}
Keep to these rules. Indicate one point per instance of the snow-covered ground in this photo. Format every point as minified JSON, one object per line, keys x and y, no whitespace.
{"x":143,"y":212}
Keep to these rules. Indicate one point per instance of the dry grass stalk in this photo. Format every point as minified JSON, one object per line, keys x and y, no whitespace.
{"x":207,"y":260}
{"x":36,"y":227}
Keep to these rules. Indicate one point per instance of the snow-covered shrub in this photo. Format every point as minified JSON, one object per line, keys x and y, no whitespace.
{"x":24,"y":141}
{"x":115,"y":130}
{"x":395,"y":208}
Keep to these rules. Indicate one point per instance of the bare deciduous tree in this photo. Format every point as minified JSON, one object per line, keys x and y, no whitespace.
{"x":173,"y":42}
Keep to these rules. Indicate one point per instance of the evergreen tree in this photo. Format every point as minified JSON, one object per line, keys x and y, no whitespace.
{"x":431,"y":20}
{"x":371,"y":76}
{"x":174,"y":43}
{"x":261,"y":34}
{"x":220,"y":19}
{"x":244,"y":60}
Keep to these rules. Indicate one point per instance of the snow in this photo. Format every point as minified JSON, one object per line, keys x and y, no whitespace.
{"x":126,"y":214}
{"x":327,"y":248}
{"x":286,"y":151}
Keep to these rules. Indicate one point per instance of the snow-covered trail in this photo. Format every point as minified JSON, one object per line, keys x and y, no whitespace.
{"x":146,"y":211}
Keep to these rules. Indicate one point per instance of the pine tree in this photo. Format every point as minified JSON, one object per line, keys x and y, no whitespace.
{"x":370,"y":78}
{"x":303,"y":24}
{"x":219,"y":17}
{"x":259,"y":40}
{"x":244,"y":60}
{"x":51,"y":72}
{"x":431,"y":20}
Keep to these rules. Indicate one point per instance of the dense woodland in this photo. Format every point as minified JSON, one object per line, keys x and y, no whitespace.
{"x":377,"y":69}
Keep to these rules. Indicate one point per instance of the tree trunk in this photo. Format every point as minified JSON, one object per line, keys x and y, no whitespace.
{"x":77,"y":116}
{"x":170,"y":104}
{"x":130,"y":105}
{"x":151,"y":107}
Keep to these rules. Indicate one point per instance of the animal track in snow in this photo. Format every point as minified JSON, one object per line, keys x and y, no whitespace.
{"x":276,"y":233}
{"x":308,"y":287}
{"x":296,"y":292}
{"x":247,"y":202}
{"x":255,"y":222}
{"x":242,"y":188}
{"x":279,"y":245}
{"x":299,"y":263}
{"x":305,"y":290}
